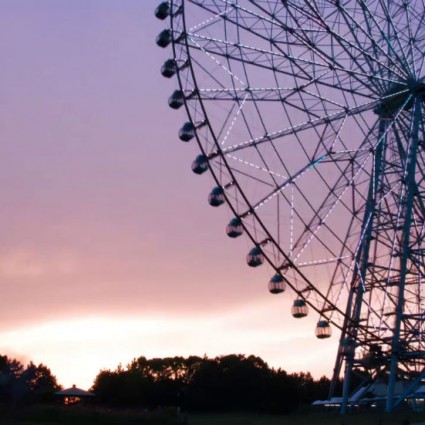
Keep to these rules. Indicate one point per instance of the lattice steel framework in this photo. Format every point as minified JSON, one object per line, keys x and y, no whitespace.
{"x":310,"y":117}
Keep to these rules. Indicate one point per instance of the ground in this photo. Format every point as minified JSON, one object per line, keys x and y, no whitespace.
{"x":303,"y":418}
{"x":55,"y":415}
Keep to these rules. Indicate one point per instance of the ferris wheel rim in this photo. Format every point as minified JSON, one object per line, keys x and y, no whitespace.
{"x":235,"y":182}
{"x":258,"y":219}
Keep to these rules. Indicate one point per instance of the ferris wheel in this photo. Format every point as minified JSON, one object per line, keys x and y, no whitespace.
{"x":309,"y":115}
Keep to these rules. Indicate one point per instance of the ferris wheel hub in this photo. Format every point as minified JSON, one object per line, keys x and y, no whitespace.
{"x":400,"y":96}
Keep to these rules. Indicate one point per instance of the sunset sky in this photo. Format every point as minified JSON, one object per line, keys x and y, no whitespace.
{"x":109,"y":248}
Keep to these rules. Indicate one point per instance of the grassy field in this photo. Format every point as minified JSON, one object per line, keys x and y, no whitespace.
{"x":54,"y":415}
{"x":310,"y":419}
{"x":58,"y":415}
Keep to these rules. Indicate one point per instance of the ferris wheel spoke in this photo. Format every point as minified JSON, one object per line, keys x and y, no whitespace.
{"x":213,"y":20}
{"x":390,"y":34}
{"x":243,"y":20}
{"x":414,"y":16}
{"x":413,"y":42}
{"x":394,"y":59}
{"x":252,"y":94}
{"x":257,"y":167}
{"x":298,"y":128}
{"x":388,"y":63}
{"x":352,"y":48}
{"x":266,"y":59}
{"x":341,"y":277}
{"x":335,"y":195}
{"x":328,"y":61}
{"x":336,"y":292}
{"x":395,"y":31}
{"x":331,"y":61}
{"x":383,"y":66}
{"x":248,"y":94}
{"x":245,"y":54}
{"x":293,"y":179}
{"x":267,"y":63}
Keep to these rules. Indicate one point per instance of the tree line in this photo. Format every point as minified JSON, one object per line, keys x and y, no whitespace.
{"x":224,"y":383}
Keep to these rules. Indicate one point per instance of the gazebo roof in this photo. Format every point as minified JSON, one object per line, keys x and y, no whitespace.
{"x":74,"y":392}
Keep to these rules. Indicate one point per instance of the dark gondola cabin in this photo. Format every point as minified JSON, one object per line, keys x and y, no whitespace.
{"x":277,"y":284}
{"x":299,"y":308}
{"x":164,"y":38}
{"x":323,"y":329}
{"x":216,"y":197}
{"x":255,"y":257}
{"x":169,"y":68}
{"x":187,"y":132}
{"x":347,"y":347}
{"x":163,"y":10}
{"x":234,"y":228}
{"x":176,"y":100}
{"x":200,"y":165}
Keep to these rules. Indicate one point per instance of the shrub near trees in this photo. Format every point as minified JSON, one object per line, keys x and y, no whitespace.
{"x":224,"y":383}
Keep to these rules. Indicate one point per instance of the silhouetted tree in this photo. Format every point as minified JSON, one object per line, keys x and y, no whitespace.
{"x":305,"y":384}
{"x":321,"y":388}
{"x":123,"y":388}
{"x":31,"y":384}
{"x":10,"y":372}
{"x":39,"y":383}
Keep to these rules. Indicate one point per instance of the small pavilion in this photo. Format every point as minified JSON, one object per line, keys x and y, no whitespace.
{"x":74,"y":395}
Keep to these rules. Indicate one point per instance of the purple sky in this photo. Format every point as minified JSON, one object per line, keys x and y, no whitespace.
{"x":109,"y":247}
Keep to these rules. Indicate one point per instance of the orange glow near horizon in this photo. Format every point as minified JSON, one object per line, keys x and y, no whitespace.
{"x":77,"y":349}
